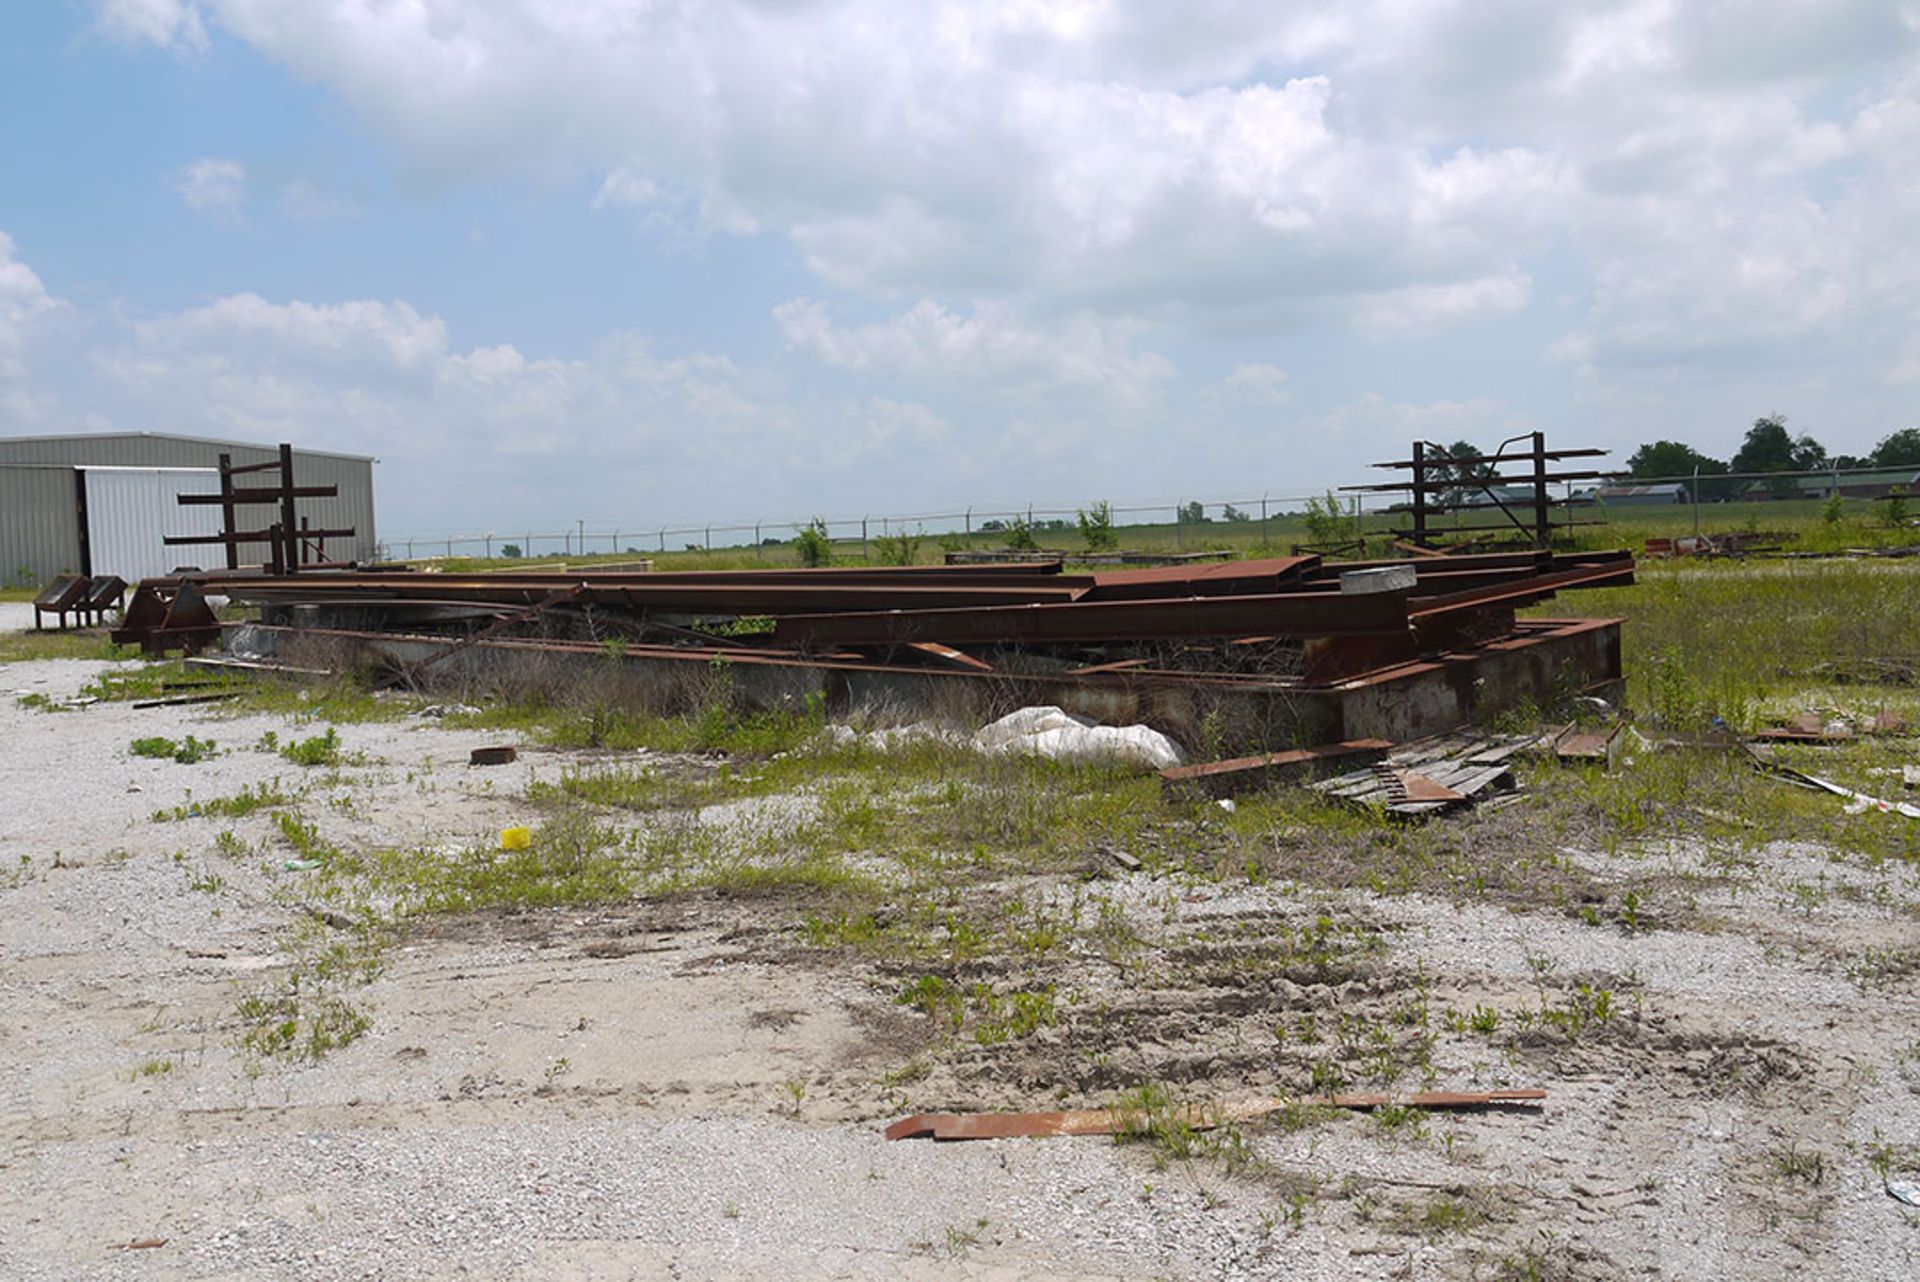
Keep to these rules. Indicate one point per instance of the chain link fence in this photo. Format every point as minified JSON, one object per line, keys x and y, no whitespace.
{"x":1184,"y":516}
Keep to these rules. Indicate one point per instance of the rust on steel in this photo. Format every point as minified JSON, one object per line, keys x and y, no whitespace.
{"x":1277,"y":615}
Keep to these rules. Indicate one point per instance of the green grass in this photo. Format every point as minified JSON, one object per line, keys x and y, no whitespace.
{"x":189,"y":751}
{"x":1724,"y":638}
{"x":319,"y":750}
{"x":248,"y":800}
{"x":341,"y":701}
{"x":718,"y":727}
{"x":1859,"y":524}
{"x":573,"y":859}
{"x":24,"y":647}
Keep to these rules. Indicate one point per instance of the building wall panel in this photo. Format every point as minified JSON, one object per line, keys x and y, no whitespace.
{"x":39,"y":525}
{"x":131,"y":511}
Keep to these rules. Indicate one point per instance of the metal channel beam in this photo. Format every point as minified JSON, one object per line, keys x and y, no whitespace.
{"x":1274,"y":615}
{"x":690,"y":598}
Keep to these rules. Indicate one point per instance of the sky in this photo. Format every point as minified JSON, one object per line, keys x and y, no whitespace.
{"x":638,"y":263}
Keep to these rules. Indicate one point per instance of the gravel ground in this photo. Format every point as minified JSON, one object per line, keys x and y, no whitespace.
{"x":655,"y":1090}
{"x":432,"y":1146}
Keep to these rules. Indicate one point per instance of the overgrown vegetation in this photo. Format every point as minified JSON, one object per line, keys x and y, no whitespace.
{"x":811,"y":546}
{"x":1721,"y":639}
{"x":1096,"y":527}
{"x":187,"y":752}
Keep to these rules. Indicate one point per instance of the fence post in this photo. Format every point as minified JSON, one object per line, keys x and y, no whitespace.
{"x":863,"y":537}
{"x":1420,"y":493}
{"x":1263,"y":518}
{"x":969,"y":525}
{"x":1696,"y":499}
{"x":709,"y":538}
{"x":1180,"y":526}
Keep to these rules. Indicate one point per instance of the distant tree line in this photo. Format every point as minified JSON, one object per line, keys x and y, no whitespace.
{"x":1768,"y":447}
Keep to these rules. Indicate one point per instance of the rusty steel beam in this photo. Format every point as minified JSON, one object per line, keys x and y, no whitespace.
{"x":643,"y":592}
{"x":1552,"y":456}
{"x":948,"y":654}
{"x":1243,"y":774}
{"x":1523,"y":591}
{"x":1274,"y":574}
{"x":247,"y":536}
{"x":495,"y":628}
{"x":241,"y":496}
{"x":1278,"y":615}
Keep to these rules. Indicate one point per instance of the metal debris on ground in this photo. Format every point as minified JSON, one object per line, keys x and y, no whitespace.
{"x":1904,"y":1190}
{"x":492,"y":756}
{"x":1731,"y":543}
{"x":1431,"y":775}
{"x":1812,"y":727}
{"x":1575,"y":744}
{"x":182,"y":700}
{"x":1872,"y":672}
{"x":1237,"y":775}
{"x":1857,"y":802}
{"x":1123,"y":1121}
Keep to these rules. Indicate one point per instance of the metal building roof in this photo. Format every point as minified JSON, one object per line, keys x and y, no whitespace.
{"x":175,"y":436}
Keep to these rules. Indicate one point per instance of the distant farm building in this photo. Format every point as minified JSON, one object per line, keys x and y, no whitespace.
{"x":1848,"y":485}
{"x":1667,"y":493}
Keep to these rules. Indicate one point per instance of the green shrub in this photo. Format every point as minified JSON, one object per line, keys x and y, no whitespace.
{"x":1096,"y":527}
{"x":811,"y":547}
{"x":160,"y":748}
{"x":320,"y":750}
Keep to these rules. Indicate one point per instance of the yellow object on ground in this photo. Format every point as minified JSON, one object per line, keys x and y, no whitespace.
{"x":516,"y":838}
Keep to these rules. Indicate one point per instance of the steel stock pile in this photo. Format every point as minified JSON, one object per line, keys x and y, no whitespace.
{"x":1266,"y":653}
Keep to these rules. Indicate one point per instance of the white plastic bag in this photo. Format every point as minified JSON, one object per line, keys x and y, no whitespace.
{"x":1063,"y":736}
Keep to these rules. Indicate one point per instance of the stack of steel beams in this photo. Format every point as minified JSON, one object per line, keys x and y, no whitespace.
{"x":1282,"y":626}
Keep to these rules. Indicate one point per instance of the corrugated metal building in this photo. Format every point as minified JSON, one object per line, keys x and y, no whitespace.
{"x":1854,"y":485}
{"x":101,"y":504}
{"x":1667,"y":492}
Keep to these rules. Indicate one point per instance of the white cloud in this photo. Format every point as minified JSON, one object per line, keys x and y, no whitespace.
{"x":28,"y":316}
{"x":171,"y":24}
{"x":1138,"y":162}
{"x":24,"y":301}
{"x":1384,"y":426}
{"x":626,"y":190}
{"x":1018,"y":210}
{"x":989,"y":347}
{"x":621,"y":433}
{"x":1257,"y":384}
{"x":1419,"y":309}
{"x":213,"y":185}
{"x":1004,"y":149}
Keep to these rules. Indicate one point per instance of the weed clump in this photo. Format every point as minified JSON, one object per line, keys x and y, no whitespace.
{"x":188,"y":752}
{"x":319,"y":750}
{"x":572,"y":859}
